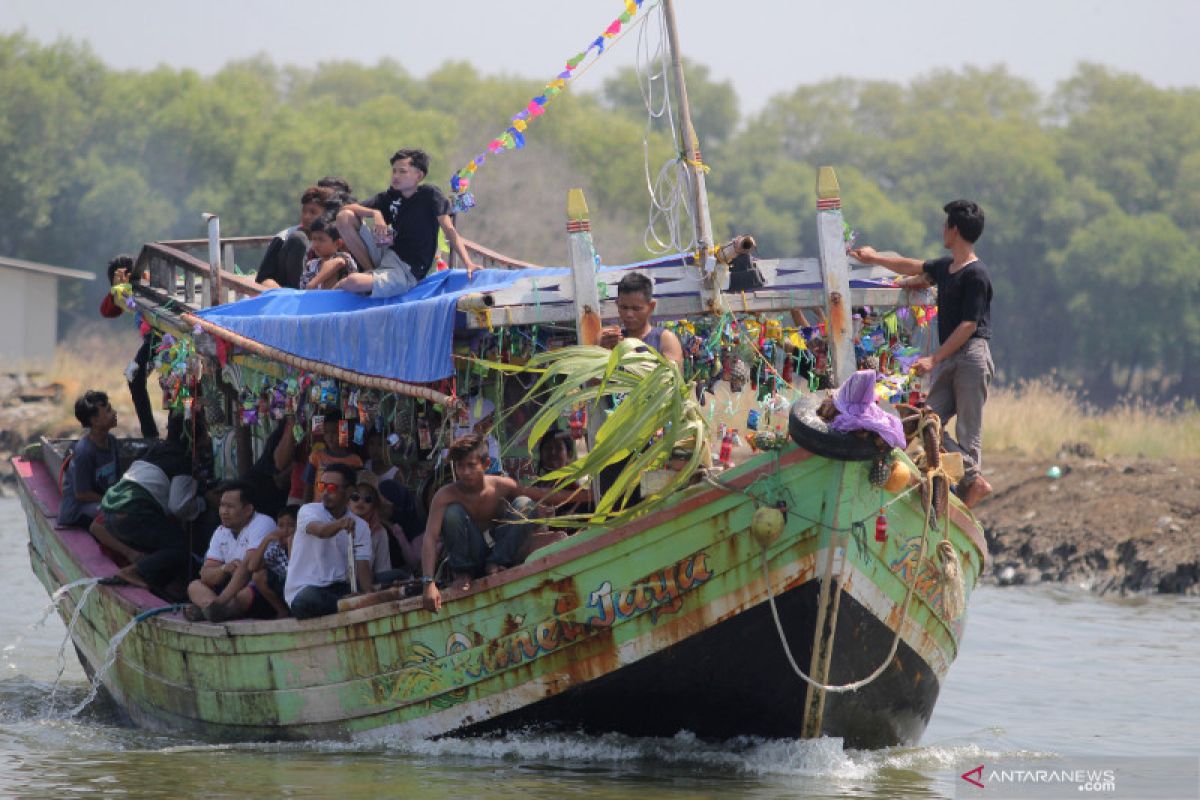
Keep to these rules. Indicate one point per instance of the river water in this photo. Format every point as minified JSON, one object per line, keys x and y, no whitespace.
{"x":1046,"y":675}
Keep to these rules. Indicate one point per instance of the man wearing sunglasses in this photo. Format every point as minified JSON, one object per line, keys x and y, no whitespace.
{"x":326,"y":531}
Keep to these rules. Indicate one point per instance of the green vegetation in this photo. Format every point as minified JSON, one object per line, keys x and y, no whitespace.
{"x":1092,"y":193}
{"x":655,"y":418}
{"x":1040,"y":419}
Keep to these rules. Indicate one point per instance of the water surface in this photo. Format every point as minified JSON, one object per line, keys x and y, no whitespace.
{"x":1045,"y":674}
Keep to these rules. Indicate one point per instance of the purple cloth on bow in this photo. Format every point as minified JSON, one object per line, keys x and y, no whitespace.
{"x":857,"y":410}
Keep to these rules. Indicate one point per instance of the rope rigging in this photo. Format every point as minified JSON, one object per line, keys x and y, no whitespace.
{"x":948,"y":572}
{"x":669,"y":227}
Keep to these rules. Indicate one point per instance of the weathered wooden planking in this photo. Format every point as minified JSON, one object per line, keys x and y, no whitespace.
{"x":361,"y":670}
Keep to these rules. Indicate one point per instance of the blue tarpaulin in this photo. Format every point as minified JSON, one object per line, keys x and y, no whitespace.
{"x":408,"y":338}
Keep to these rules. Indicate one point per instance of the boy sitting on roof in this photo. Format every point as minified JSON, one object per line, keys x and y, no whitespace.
{"x":481,"y":519}
{"x":332,"y":262}
{"x":412,"y":210}
{"x":242,"y":529}
{"x":283,"y":263}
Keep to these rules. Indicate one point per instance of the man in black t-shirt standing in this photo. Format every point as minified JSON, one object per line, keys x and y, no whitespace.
{"x":410,"y":213}
{"x":962,"y":365}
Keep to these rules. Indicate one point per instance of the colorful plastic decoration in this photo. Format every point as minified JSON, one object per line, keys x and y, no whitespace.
{"x":513,"y":137}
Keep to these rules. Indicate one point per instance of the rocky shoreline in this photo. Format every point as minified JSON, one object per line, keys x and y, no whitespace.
{"x":1115,"y":525}
{"x":28,"y":410}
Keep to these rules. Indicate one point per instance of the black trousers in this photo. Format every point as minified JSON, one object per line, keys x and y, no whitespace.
{"x":137,"y":389}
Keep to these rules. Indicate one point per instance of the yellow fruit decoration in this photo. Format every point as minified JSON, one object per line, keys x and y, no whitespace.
{"x":898,"y":478}
{"x":766,"y":526}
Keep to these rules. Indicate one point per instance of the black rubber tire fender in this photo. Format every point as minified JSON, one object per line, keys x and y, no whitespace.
{"x":814,"y":434}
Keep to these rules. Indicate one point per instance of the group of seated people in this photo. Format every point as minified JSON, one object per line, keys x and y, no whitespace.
{"x":313,"y":521}
{"x":380,"y":247}
{"x":287,"y":533}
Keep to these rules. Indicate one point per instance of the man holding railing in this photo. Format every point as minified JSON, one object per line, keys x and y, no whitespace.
{"x":962,"y":365}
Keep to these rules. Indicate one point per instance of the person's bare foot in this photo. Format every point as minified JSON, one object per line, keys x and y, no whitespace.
{"x":976,"y":492}
{"x":216,"y":611}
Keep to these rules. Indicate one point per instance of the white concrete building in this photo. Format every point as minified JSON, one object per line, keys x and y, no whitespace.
{"x":29,"y":310}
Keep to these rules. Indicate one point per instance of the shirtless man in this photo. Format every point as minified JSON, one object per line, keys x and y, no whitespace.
{"x":480,"y":519}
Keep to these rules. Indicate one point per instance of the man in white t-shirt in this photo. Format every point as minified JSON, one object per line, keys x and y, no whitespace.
{"x":319,"y":567}
{"x":242,"y":529}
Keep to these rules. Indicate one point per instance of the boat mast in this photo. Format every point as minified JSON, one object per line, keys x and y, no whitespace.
{"x":691,"y":153}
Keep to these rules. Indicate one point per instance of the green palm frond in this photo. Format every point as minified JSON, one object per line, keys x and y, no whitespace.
{"x":655,"y":415}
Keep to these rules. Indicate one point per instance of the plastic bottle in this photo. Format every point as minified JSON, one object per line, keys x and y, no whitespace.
{"x":881,"y":527}
{"x":726,"y":448}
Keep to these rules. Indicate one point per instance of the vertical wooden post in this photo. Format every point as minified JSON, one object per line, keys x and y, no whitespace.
{"x":212,"y":297}
{"x":716,"y":274}
{"x":582,"y":255}
{"x":828,"y":602}
{"x":835,"y":276}
{"x":227,"y":257}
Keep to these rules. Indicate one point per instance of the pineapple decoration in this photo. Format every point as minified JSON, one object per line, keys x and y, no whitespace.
{"x":881,"y":470}
{"x":739,"y":373}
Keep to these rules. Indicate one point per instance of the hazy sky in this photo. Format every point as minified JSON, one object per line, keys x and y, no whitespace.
{"x":763,"y":46}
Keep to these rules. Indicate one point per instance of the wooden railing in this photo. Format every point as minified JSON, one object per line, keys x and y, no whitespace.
{"x":490,"y":259}
{"x":179,"y":268}
{"x":189,"y":279}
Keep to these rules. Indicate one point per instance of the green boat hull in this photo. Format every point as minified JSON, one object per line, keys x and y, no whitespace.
{"x":660,"y":625}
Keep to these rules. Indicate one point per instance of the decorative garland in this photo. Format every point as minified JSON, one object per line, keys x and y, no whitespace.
{"x":775,"y":360}
{"x":513,"y":137}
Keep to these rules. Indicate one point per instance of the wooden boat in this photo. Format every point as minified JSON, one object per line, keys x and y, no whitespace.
{"x":688,"y":617}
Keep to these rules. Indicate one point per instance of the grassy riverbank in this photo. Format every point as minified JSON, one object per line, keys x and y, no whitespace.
{"x":1037,"y":419}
